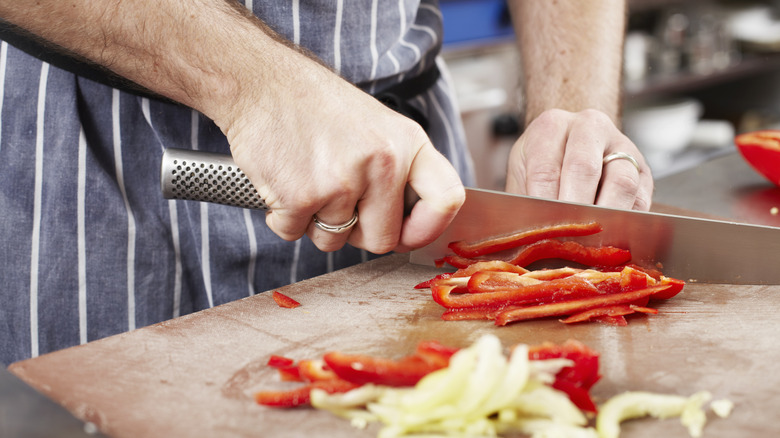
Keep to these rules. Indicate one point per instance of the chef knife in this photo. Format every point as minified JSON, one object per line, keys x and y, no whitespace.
{"x":692,"y":249}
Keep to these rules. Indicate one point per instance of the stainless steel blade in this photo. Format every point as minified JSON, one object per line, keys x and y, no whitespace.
{"x":691,"y":249}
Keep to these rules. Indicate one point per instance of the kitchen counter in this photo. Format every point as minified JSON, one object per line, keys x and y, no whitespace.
{"x":725,"y":187}
{"x":194,"y":376}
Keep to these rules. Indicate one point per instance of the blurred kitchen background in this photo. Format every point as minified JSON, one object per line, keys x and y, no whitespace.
{"x":695,"y":73}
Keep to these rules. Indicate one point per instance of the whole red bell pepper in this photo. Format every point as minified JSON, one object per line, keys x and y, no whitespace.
{"x":761,"y":149}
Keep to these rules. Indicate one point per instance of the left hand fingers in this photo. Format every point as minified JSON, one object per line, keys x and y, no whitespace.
{"x":623,"y":185}
{"x":586,"y":178}
{"x":576,"y":144}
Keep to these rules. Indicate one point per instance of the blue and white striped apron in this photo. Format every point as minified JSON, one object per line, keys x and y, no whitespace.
{"x":89,"y":246}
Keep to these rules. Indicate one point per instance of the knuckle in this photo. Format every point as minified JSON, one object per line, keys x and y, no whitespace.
{"x":626,"y":182}
{"x":551,"y":118}
{"x":588,"y":169}
{"x":544,"y":174}
{"x":381,"y":244}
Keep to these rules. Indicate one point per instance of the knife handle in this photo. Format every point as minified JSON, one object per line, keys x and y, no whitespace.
{"x":207,"y":176}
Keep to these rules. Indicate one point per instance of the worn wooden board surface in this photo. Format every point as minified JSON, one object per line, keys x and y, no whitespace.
{"x":194,"y":376}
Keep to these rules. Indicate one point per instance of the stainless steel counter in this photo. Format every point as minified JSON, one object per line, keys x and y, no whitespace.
{"x":726,"y":187}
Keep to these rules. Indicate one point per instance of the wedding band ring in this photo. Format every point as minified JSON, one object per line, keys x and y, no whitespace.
{"x":622,"y":156}
{"x":338,"y":229}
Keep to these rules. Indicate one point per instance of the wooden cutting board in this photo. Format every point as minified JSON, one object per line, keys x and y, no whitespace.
{"x":194,"y":376}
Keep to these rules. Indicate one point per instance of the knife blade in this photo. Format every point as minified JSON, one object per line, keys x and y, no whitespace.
{"x":691,"y":249}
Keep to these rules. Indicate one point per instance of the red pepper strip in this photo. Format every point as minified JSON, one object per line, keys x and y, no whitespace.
{"x":301,"y":396}
{"x":573,"y":306}
{"x":495,"y":281}
{"x":573,"y":252}
{"x":489,"y":265}
{"x":492,"y":281}
{"x":552,"y":274}
{"x":617,"y":310}
{"x":455,"y":261}
{"x":435,"y":353}
{"x":288,"y":370}
{"x":579,"y":396}
{"x":360,"y":369}
{"x":290,"y":374}
{"x":617,"y":320}
{"x":427,"y":283}
{"x":315,"y":370}
{"x":514,"y":240}
{"x":655,"y":273}
{"x":676,"y":286}
{"x":545,"y":290}
{"x":284,"y":301}
{"x":643,"y":309}
{"x":279,"y":361}
{"x":471,"y":313}
{"x":575,"y":380}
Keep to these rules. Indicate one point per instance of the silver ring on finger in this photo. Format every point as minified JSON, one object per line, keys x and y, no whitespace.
{"x":621,"y":156}
{"x":337,"y":229}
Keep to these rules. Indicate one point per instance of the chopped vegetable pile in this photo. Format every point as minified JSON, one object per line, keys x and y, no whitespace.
{"x":542,"y":391}
{"x":504,"y":291}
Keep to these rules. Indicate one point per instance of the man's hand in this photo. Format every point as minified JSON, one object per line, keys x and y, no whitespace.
{"x":316,"y":145}
{"x":560,"y":155}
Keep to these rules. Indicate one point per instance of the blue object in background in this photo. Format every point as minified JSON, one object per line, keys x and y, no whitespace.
{"x":474,"y":22}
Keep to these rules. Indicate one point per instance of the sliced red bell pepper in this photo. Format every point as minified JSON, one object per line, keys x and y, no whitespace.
{"x":301,"y":396}
{"x":616,"y":310}
{"x":315,"y":370}
{"x":492,"y":281}
{"x":514,"y":240}
{"x":455,"y":261}
{"x":575,"y":380}
{"x":427,"y":283}
{"x":473,"y":313}
{"x":489,"y":265}
{"x":290,"y":374}
{"x":571,"y":251}
{"x":284,"y":301}
{"x":572,"y":285}
{"x":761,"y":149}
{"x":617,"y":320}
{"x":288,"y":369}
{"x":362,"y":369}
{"x":435,"y":353}
{"x":277,"y":361}
{"x":574,"y":306}
{"x":675,"y":287}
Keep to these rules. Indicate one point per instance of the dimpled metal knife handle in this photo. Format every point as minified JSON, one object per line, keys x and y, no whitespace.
{"x":208,"y":177}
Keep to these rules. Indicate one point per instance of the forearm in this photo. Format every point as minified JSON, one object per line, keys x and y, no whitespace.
{"x":571,"y":54}
{"x":202,"y":53}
